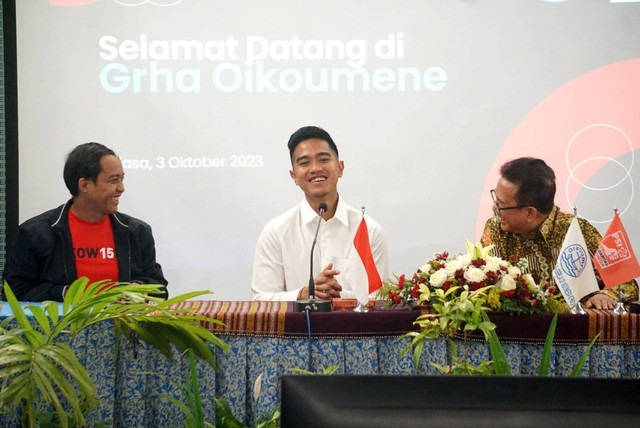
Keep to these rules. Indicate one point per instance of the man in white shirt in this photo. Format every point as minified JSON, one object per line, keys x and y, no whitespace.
{"x":282,"y":257}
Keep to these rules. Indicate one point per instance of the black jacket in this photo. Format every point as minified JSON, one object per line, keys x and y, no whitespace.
{"x":41,"y":261}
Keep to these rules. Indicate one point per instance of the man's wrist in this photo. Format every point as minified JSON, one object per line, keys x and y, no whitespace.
{"x":609,"y":293}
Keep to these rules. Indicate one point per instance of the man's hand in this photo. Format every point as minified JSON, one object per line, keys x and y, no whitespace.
{"x":326,"y":285}
{"x":601,"y":301}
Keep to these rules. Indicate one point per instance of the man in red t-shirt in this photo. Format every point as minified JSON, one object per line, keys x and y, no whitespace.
{"x":87,"y":236}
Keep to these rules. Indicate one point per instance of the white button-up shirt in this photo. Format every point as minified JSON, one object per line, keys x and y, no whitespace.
{"x":282,"y":258}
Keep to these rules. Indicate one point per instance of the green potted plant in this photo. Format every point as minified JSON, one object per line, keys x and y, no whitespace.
{"x":455,"y":314}
{"x":41,"y":378}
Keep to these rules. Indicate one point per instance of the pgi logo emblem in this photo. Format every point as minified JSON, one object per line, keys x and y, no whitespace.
{"x":573,"y":260}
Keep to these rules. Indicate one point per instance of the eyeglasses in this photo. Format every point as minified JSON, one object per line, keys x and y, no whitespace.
{"x":499,"y":208}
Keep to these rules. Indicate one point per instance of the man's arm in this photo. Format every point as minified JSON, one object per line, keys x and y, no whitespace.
{"x":144,"y":267}
{"x":24,"y":267}
{"x":268,"y":279}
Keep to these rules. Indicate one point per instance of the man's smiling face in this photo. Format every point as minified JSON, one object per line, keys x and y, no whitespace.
{"x":316,"y":169}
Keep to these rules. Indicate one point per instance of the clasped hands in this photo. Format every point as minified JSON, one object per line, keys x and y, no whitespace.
{"x":327,"y":286}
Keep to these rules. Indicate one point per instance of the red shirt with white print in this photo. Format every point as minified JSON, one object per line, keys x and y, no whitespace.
{"x":94,"y":249}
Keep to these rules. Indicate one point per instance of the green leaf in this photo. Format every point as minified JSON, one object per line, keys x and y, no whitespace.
{"x":193,"y":392}
{"x":443,"y":369}
{"x":273,"y":421}
{"x":500,"y":362}
{"x":33,"y":337}
{"x":583,"y":358}
{"x":417,"y":353}
{"x":545,"y":362}
{"x":49,"y":395}
{"x":41,"y":318}
{"x":39,"y":370}
{"x":186,"y":410}
{"x":224,"y":415}
{"x":52,"y":310}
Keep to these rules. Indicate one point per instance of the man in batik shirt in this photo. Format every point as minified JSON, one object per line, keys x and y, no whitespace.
{"x":527,"y":225}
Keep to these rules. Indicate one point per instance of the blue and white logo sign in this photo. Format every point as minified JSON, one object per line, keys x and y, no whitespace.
{"x":573,"y":260}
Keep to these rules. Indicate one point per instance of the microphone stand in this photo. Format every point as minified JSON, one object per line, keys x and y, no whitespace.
{"x":311,"y":304}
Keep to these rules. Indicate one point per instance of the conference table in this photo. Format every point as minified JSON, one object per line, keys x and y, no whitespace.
{"x":269,"y":339}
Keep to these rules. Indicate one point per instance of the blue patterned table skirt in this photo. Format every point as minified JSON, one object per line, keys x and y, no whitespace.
{"x":130,"y":377}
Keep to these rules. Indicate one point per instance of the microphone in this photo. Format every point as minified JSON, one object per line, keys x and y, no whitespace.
{"x":311,"y":303}
{"x":322,"y":208}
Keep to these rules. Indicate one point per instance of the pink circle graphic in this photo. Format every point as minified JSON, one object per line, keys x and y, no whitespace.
{"x":578,"y":129}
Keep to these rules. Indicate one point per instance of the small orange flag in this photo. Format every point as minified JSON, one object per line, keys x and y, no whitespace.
{"x":614,"y":258}
{"x":361,"y":242}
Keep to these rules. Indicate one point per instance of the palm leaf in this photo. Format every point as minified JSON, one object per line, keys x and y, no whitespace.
{"x":19,"y":364}
{"x":41,"y":318}
{"x":49,"y":392}
{"x":39,"y":371}
{"x":66,"y":359}
{"x":33,"y":337}
{"x":9,"y":337}
{"x":36,"y":372}
{"x":52,"y":310}
{"x":57,"y":384}
{"x":161,"y":343}
{"x":13,"y":392}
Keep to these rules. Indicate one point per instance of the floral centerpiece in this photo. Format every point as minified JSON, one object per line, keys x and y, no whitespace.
{"x":510,"y":289}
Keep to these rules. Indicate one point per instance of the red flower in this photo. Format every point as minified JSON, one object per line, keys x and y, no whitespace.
{"x":509,"y":294}
{"x":401,"y":282}
{"x":492,"y":278}
{"x":415,"y":292}
{"x":476,"y":285}
{"x":478,"y":262}
{"x":394,"y":297}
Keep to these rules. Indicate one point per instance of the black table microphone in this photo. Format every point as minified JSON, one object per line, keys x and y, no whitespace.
{"x":311,"y":304}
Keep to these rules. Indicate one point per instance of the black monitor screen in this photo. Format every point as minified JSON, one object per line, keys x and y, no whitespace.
{"x":451,"y":401}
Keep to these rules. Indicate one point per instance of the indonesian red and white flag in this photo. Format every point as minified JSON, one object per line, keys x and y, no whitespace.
{"x":573,"y":271}
{"x":363,"y":247}
{"x":614,"y":258}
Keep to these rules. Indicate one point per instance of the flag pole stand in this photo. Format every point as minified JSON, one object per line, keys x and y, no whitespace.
{"x":360,"y":308}
{"x":619,"y":308}
{"x":578,"y":309}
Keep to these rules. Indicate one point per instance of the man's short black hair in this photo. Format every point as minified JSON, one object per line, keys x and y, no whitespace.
{"x":536,"y":182}
{"x":84,"y":162}
{"x":306,"y":133}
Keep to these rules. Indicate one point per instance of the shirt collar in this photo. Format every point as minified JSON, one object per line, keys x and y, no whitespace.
{"x":549,"y":223}
{"x":308,"y":214}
